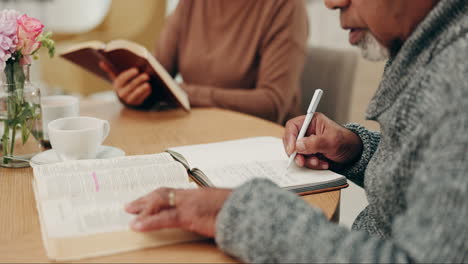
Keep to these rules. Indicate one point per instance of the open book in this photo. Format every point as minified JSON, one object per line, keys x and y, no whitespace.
{"x":122,"y":55}
{"x":229,"y":164}
{"x":81,"y":203}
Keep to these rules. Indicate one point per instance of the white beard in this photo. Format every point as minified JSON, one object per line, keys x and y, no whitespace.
{"x":371,"y":49}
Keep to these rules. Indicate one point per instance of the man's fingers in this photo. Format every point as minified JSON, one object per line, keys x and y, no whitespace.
{"x":300,"y":160}
{"x":135,"y":207}
{"x":313,"y":162}
{"x":149,"y":208}
{"x":157,"y":201}
{"x":164,"y":219}
{"x":290,"y":135}
{"x":154,"y":204}
{"x":139,"y":94}
{"x":312,"y":145}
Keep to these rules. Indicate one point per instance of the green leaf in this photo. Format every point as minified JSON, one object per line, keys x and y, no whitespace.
{"x":18,"y":76}
{"x":25,"y":132}
{"x":48,"y":42}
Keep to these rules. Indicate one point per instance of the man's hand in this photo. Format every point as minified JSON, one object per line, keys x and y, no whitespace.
{"x":193,"y":210}
{"x":131,"y":86}
{"x":325,"y":142}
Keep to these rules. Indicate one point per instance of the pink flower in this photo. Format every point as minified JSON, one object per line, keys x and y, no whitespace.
{"x":29,"y":29}
{"x":28,"y":46}
{"x":8,"y":37}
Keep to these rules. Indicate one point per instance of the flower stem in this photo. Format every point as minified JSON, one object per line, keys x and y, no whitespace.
{"x":15,"y":79}
{"x":13,"y":136}
{"x":6,"y":132}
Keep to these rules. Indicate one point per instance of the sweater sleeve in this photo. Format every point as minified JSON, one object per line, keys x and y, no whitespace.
{"x":262,"y":223}
{"x":166,"y":50}
{"x":282,"y":54}
{"x":370,"y":141}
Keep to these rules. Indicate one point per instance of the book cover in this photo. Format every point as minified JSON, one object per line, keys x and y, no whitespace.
{"x":122,"y":55}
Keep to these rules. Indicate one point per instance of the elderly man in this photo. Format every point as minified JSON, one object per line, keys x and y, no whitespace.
{"x":415,"y":171}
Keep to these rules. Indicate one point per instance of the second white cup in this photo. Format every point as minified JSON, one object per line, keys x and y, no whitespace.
{"x":58,"y":106}
{"x":74,"y":138}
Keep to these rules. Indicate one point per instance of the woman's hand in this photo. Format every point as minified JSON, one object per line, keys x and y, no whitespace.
{"x":325,"y":141}
{"x":193,"y":210}
{"x":130,"y":86}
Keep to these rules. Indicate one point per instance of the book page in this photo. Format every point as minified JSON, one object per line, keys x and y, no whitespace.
{"x":78,"y":183}
{"x":75,"y":178}
{"x":95,"y":213}
{"x":43,"y":171}
{"x":94,"y":44}
{"x":233,"y":175}
{"x":128,"y":45}
{"x":180,"y":95}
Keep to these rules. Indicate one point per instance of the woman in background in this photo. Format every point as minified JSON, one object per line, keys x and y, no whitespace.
{"x":244,"y":55}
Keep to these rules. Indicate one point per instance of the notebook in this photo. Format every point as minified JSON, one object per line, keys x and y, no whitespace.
{"x":229,"y":164}
{"x":81,"y":203}
{"x":122,"y":55}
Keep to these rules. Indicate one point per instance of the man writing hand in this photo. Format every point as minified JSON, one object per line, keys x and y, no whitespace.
{"x":414,"y":171}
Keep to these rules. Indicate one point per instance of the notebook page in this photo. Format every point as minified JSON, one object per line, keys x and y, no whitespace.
{"x":221,"y":154}
{"x":234,"y":175}
{"x":65,"y":181}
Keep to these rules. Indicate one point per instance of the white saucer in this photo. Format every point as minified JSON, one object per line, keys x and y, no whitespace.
{"x":49,"y":156}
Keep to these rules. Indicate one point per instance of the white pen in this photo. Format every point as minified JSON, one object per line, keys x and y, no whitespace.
{"x":310,"y":114}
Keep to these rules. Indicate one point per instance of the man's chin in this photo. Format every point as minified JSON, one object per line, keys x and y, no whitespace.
{"x":371,"y":49}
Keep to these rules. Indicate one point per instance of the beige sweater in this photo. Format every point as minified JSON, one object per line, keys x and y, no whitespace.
{"x":242,"y":55}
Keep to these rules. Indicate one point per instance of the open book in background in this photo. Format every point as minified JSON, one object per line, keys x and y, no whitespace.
{"x":122,"y":55}
{"x":81,"y":203}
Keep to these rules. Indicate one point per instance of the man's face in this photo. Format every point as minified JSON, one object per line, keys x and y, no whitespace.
{"x":378,"y":26}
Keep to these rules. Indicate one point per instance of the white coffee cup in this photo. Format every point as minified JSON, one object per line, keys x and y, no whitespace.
{"x":74,"y":138}
{"x":57,"y":106}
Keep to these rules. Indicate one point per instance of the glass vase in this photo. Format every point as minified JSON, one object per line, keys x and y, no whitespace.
{"x":20,"y":116}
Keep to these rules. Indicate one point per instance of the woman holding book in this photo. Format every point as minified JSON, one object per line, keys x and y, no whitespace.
{"x":245,"y":56}
{"x":415,"y":171}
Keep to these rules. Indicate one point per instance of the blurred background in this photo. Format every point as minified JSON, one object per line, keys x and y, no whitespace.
{"x":332,"y":64}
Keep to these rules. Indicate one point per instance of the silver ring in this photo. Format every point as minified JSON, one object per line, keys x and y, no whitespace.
{"x":171,"y":196}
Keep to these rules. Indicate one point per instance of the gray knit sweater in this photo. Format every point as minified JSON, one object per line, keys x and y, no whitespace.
{"x":415,"y":172}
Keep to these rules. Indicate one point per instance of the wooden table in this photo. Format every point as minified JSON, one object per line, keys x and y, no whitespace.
{"x":136,"y":132}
